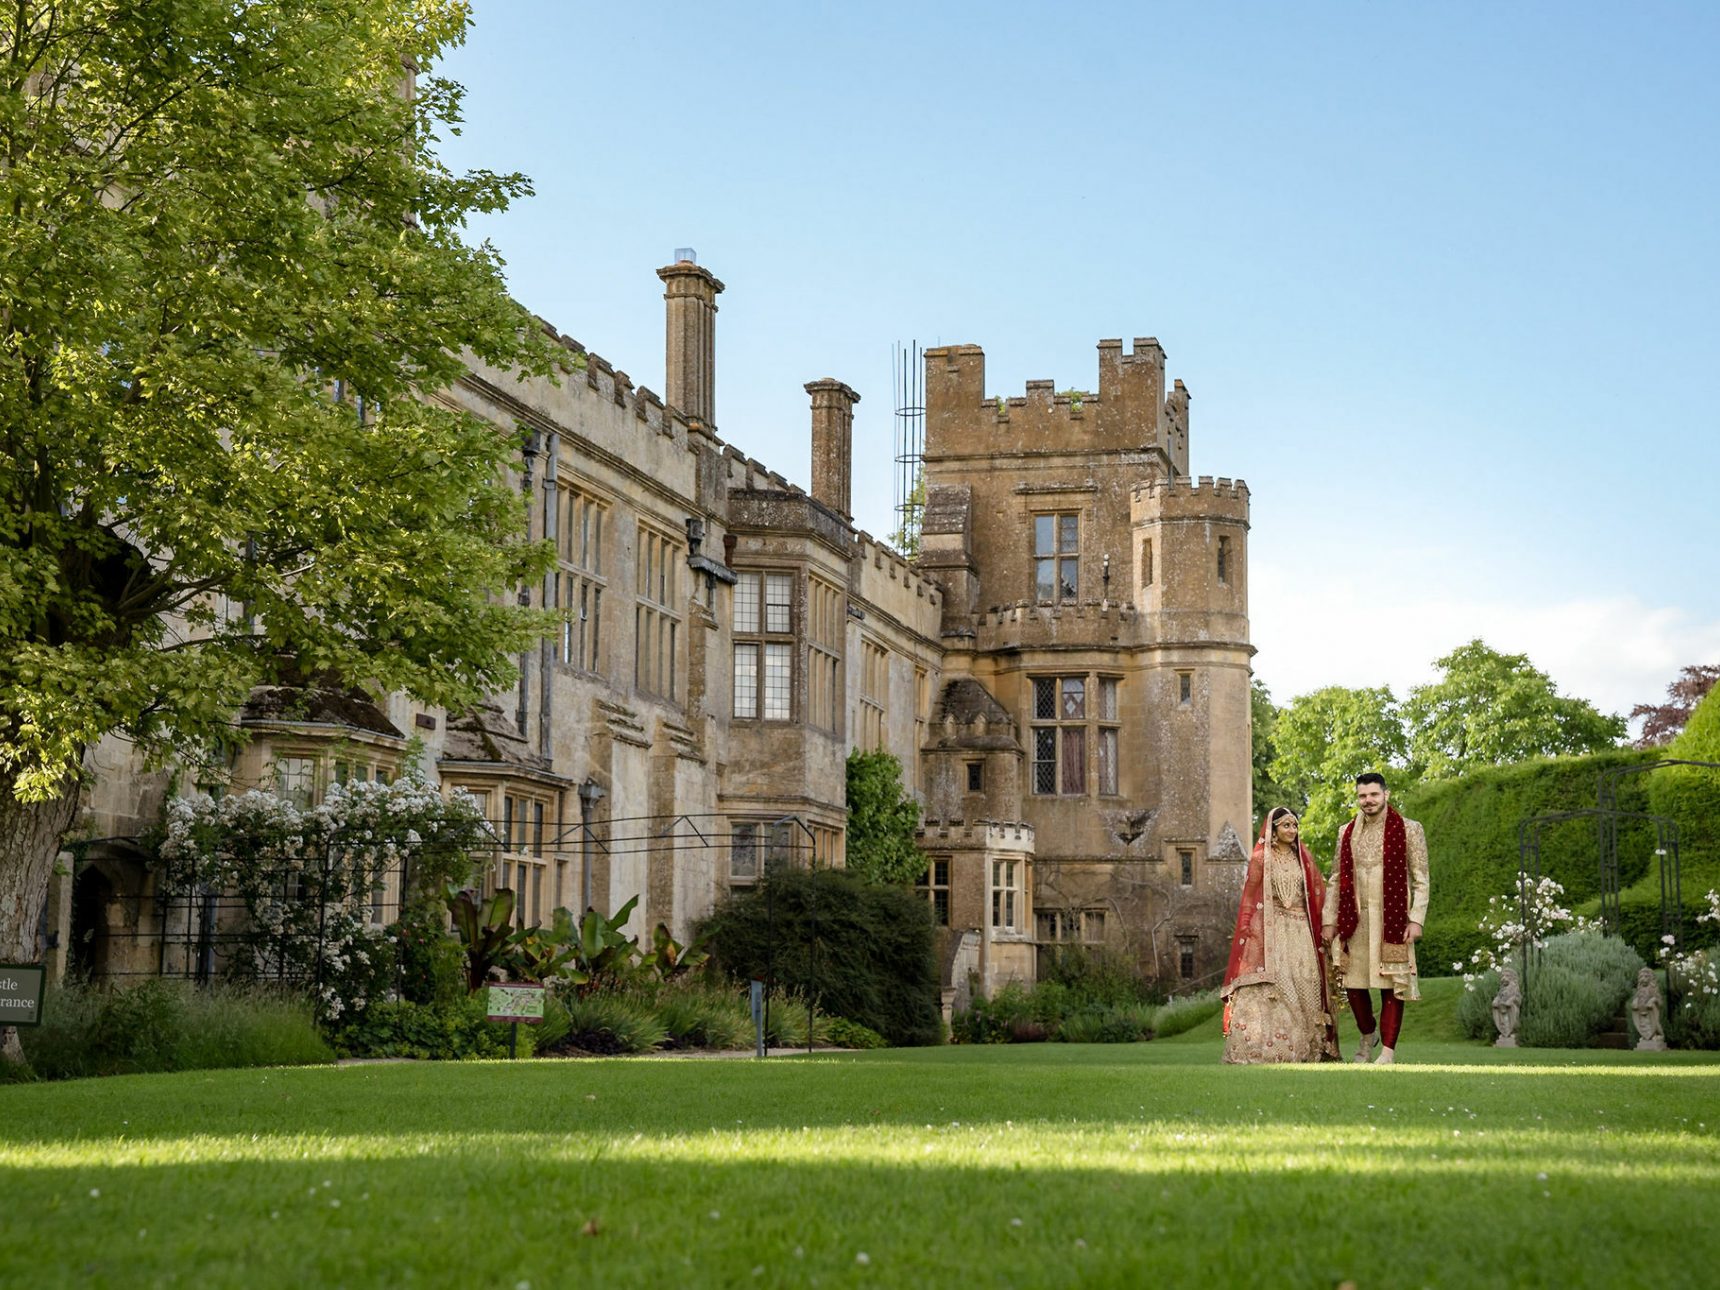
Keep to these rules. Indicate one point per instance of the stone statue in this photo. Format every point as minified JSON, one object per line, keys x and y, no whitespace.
{"x":1645,"y":1013}
{"x":1506,"y":1006}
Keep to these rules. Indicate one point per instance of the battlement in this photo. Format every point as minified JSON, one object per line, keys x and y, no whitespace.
{"x":614,"y":385}
{"x":1129,"y":413}
{"x":1024,"y":611}
{"x":1182,"y":497}
{"x":1002,"y":835}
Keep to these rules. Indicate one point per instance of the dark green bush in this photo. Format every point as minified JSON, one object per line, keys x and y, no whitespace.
{"x":1096,"y":974}
{"x":697,"y":1016}
{"x":1050,"y":1010}
{"x":160,"y":1025}
{"x":1693,"y":1004}
{"x":434,"y":1031}
{"x":871,"y":960}
{"x":844,"y":1033}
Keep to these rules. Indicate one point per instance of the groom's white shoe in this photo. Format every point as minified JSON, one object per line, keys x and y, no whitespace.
{"x":1387,"y":1057}
{"x":1366,"y":1052}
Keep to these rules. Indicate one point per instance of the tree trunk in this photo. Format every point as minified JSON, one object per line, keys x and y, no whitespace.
{"x":30,"y":837}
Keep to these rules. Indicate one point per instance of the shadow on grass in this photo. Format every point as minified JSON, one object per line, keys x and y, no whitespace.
{"x":499,"y":1212}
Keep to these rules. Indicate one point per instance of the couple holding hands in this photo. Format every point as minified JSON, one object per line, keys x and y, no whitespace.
{"x":1369,"y":913}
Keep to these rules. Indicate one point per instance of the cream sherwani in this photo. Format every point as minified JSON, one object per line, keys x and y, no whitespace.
{"x":1361,"y":964}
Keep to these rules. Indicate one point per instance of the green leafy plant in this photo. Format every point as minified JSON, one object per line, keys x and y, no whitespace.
{"x":485,"y":928}
{"x":668,"y":958}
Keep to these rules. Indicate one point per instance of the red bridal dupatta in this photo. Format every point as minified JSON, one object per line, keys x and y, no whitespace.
{"x":1248,"y":965}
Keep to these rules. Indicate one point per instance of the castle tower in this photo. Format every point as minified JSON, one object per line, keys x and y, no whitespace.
{"x":1191,"y":583}
{"x":690,"y":375}
{"x":833,"y":444}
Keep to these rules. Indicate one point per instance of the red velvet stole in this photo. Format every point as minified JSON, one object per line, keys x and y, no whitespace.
{"x":1248,"y":944}
{"x":1394,"y":886}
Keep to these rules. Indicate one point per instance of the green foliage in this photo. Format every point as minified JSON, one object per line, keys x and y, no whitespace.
{"x":1691,"y":794}
{"x":668,"y":958}
{"x":871,"y":960}
{"x":452,"y":1031}
{"x":881,"y":821}
{"x":1096,"y":974}
{"x":1493,"y":709}
{"x":1101,"y":1006}
{"x":1572,"y":993}
{"x":701,"y":1016}
{"x":844,"y":1033}
{"x":603,"y":955}
{"x":1186,"y":1013}
{"x":1693,"y":1002}
{"x":1323,"y":741}
{"x":485,"y":927}
{"x":1471,"y":826}
{"x":1263,"y":714}
{"x":610,"y":1023}
{"x":161,"y":1025}
{"x":234,"y":277}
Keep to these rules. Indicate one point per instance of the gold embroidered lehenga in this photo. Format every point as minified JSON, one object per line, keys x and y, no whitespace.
{"x":1276,"y":1007}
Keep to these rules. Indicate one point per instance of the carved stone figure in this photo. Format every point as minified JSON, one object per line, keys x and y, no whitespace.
{"x":1645,"y":1013}
{"x":1507,"y":1006}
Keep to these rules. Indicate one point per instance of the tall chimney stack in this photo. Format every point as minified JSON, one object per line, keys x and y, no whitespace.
{"x":691,"y":357}
{"x":833,"y":444}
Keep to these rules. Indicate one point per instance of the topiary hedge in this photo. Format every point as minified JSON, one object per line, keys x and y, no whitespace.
{"x":1472,"y":821}
{"x":863,"y":951}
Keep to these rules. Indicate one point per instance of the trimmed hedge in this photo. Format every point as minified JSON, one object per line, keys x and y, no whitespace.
{"x":872,"y":959}
{"x":1471,"y":826}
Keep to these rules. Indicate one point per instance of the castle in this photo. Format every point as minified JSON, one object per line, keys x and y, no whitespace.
{"x":1063,"y":670}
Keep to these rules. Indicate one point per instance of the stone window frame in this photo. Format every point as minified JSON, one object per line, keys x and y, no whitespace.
{"x":762,"y":844}
{"x":1082,"y":926}
{"x":1187,"y":952}
{"x":934,"y":884}
{"x":826,"y":620}
{"x":1185,"y":687}
{"x":579,"y":583}
{"x":1096,"y":722}
{"x":521,"y":818}
{"x":874,"y":695}
{"x":657,"y":559}
{"x":1057,"y":548}
{"x":763,"y":641}
{"x":1008,"y":894}
{"x":1224,"y":561}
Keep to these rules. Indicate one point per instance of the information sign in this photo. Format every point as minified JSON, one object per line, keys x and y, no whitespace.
{"x":516,"y":1003}
{"x":21,"y":987}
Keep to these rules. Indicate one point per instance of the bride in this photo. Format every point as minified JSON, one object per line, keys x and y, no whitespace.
{"x":1275,"y":1003}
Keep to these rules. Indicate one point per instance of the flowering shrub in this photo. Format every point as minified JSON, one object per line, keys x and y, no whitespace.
{"x":1528,"y":917}
{"x":307,"y":882}
{"x":1694,"y":976}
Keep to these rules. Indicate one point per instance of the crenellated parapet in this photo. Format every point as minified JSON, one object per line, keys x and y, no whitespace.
{"x":1128,"y":413}
{"x":988,"y":835}
{"x":1184,"y":498}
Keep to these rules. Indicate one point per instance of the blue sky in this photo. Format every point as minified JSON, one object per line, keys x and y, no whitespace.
{"x":1444,"y":280}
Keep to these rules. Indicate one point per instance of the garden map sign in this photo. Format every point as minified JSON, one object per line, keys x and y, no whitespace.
{"x":516,"y":1003}
{"x":21,"y":993}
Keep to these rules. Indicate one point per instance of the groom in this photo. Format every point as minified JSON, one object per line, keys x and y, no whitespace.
{"x":1376,"y":903}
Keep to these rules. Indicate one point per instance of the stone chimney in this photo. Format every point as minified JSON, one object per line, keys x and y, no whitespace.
{"x":833,"y":444}
{"x":690,"y":379}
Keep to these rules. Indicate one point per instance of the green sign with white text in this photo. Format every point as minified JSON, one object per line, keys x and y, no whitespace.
{"x":21,"y":993}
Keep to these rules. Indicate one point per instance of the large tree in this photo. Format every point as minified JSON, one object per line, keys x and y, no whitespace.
{"x":1662,"y":723}
{"x":1491,"y":709}
{"x":231,"y":285}
{"x":1264,"y":721}
{"x":1323,"y":741}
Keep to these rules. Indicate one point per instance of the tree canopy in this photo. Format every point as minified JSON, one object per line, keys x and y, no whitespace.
{"x":1323,"y":741}
{"x":231,"y":282}
{"x":233,"y":299}
{"x":881,"y":821}
{"x":1662,"y":722}
{"x":1492,"y":709}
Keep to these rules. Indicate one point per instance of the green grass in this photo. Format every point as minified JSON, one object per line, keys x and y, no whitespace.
{"x":1047,"y":1164}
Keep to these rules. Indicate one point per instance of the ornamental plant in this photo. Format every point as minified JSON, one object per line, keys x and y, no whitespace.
{"x":1524,"y":919}
{"x":303,"y":880}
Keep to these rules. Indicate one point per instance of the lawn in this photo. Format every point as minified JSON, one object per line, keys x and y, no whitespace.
{"x":1011,"y":1166}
